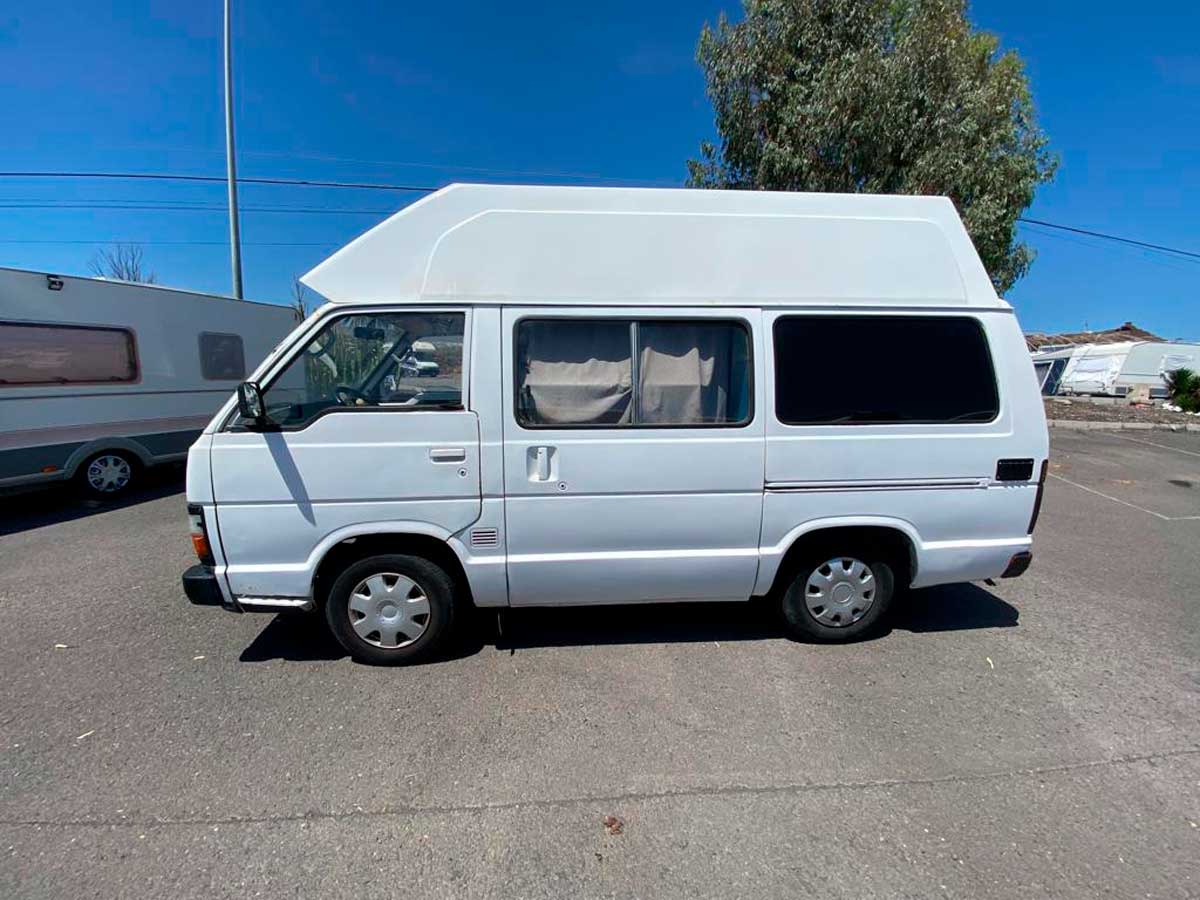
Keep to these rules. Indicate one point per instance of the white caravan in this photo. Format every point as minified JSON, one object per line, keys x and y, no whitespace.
{"x":642,"y":396}
{"x":1134,"y":369}
{"x":99,"y":378}
{"x":1049,"y":365}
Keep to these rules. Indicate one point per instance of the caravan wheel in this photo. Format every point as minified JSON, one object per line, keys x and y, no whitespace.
{"x":107,"y":475}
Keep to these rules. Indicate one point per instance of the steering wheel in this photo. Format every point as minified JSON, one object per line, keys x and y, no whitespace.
{"x":349,"y":396}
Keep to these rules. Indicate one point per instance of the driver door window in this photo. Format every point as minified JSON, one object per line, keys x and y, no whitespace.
{"x":394,"y":361}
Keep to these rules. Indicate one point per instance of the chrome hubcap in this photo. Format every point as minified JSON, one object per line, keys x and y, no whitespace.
{"x":107,"y":474}
{"x":840,"y":592}
{"x":388,"y":610}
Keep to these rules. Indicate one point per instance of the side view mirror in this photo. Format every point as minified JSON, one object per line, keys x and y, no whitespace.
{"x":250,"y":402}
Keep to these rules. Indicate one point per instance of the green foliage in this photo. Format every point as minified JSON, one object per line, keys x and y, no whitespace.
{"x":876,"y":96}
{"x":1184,"y":385}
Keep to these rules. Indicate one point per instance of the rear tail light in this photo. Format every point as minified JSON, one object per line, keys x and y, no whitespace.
{"x":199,"y":533}
{"x":1037,"y":501}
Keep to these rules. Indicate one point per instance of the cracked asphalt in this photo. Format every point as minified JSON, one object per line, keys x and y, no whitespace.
{"x":1039,"y":738}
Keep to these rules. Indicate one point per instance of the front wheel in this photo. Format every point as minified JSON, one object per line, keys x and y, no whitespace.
{"x":837,"y":597}
{"x":391,"y":609}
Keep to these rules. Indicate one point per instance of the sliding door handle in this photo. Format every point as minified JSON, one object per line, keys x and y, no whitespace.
{"x":541,"y":463}
{"x":448,"y":455}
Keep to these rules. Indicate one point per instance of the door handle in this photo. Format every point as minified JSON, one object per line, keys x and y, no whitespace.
{"x":448,"y":455}
{"x":541,"y":463}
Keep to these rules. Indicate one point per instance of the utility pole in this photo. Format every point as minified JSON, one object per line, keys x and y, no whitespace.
{"x":235,"y":240}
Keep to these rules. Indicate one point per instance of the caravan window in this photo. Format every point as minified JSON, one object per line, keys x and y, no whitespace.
{"x":647,"y":373}
{"x":66,"y":354}
{"x":222,"y":357}
{"x":883,"y":370}
{"x":1054,"y":377}
{"x":1041,"y":370}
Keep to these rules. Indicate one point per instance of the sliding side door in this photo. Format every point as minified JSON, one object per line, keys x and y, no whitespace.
{"x":633,"y":454}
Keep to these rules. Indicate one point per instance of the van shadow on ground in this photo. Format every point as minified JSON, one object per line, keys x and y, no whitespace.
{"x":304,"y":638}
{"x":41,"y":506}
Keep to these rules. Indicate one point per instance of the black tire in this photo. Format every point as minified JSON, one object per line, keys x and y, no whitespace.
{"x":93,"y":491}
{"x":801,"y":621}
{"x":430,"y":580}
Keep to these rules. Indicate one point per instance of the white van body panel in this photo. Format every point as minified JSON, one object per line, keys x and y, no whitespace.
{"x":630,"y":514}
{"x":935,"y":483}
{"x":522,"y":244}
{"x":623,"y":514}
{"x":345,"y":474}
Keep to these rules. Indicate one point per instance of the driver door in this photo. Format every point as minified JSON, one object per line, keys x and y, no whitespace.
{"x":355,"y":439}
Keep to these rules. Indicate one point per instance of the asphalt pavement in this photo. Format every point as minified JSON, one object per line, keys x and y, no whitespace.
{"x":1039,"y":738}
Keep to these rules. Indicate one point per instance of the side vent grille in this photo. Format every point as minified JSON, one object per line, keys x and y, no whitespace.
{"x":485,"y":537}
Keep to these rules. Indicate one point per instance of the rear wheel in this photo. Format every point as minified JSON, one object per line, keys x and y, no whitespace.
{"x":839,"y":595}
{"x":108,"y":475}
{"x":391,"y":609}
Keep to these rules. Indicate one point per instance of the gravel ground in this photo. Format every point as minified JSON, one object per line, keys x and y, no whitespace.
{"x":1040,"y":738}
{"x":1082,"y":409}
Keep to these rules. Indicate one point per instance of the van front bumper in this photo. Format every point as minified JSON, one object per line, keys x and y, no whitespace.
{"x":200,"y":585}
{"x":202,"y":588}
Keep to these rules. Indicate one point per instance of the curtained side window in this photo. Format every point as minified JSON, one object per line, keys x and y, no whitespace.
{"x":632,"y":373}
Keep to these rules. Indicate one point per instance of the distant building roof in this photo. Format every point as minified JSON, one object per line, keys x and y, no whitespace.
{"x":1035,"y":340}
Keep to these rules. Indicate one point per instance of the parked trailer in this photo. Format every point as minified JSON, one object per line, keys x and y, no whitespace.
{"x":100,"y":379}
{"x":1134,"y":369}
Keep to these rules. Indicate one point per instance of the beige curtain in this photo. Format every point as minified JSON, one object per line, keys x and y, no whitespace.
{"x":576,"y":373}
{"x":684,"y":372}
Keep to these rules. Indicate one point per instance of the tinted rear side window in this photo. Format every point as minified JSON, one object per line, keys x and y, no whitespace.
{"x":882,"y":370}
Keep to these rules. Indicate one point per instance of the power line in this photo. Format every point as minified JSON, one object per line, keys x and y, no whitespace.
{"x":396,"y":164}
{"x":191,"y":207}
{"x":1112,"y":237}
{"x":210,"y":179}
{"x":151,"y":243}
{"x":1162,"y":260}
{"x":426,"y":189}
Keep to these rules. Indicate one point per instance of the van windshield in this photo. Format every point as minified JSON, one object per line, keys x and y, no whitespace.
{"x":402,"y":360}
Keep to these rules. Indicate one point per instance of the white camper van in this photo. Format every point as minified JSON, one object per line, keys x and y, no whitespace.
{"x":99,"y":379}
{"x":642,"y":396}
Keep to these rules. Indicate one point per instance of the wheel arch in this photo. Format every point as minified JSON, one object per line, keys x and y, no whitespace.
{"x":105,"y":445}
{"x":896,"y":536}
{"x":348,"y":545}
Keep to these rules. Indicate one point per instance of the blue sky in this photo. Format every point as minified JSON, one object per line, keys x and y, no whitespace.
{"x":540,"y":92}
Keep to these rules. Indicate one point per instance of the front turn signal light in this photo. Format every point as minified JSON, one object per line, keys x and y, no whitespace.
{"x":199,"y":532}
